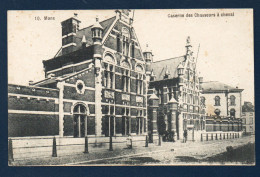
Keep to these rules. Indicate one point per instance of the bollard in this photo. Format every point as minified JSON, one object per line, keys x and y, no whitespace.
{"x":233,"y":136}
{"x":216,"y":136}
{"x":207,"y":137}
{"x":86,"y":145}
{"x":131,"y":144}
{"x":146,"y":141}
{"x":238,"y":135}
{"x":201,"y":137}
{"x":110,"y":143}
{"x":159,"y":141}
{"x":220,"y":136}
{"x":10,"y":151}
{"x":227,"y":135}
{"x":54,"y":148}
{"x":224,"y":136}
{"x":211,"y":136}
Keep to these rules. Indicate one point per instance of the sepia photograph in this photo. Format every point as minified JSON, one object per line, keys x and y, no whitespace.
{"x":126,"y":87}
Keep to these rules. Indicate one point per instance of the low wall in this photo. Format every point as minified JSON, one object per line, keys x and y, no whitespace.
{"x":209,"y":136}
{"x":24,"y":148}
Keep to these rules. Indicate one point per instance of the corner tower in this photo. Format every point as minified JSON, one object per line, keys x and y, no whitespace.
{"x":97,"y":33}
{"x":148,"y":57}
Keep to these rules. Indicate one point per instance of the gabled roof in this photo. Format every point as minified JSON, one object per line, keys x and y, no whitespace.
{"x":59,"y":78}
{"x":88,"y":34}
{"x":160,"y":67}
{"x":212,"y":86}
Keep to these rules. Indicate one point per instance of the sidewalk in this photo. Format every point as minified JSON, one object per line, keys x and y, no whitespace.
{"x":167,"y":147}
{"x":61,"y":160}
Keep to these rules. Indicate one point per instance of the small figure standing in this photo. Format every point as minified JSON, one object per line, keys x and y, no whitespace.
{"x":129,"y":142}
{"x":185,"y":135}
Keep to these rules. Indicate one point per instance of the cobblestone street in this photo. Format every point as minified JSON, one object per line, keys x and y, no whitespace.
{"x":167,"y":154}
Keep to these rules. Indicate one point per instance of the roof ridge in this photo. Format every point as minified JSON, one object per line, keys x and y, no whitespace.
{"x":168,"y":59}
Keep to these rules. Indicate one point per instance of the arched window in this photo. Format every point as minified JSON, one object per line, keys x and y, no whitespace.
{"x":232,"y":100}
{"x":217,"y":101}
{"x":232,"y":112}
{"x":80,"y":119}
{"x":109,"y":58}
{"x":126,"y":38}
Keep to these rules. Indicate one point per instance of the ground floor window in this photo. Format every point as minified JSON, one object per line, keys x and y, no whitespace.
{"x":83,"y":125}
{"x":124,"y":125}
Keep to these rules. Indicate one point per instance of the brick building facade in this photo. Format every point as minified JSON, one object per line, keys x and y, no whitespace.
{"x":100,"y":83}
{"x":95,"y":85}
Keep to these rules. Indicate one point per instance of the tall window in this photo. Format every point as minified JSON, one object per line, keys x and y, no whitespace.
{"x":217,"y":101}
{"x":232,"y":100}
{"x":108,"y":79}
{"x":133,"y":50}
{"x":126,"y":39}
{"x":126,"y":80}
{"x":202,"y":100}
{"x":139,"y":84}
{"x":118,"y":44}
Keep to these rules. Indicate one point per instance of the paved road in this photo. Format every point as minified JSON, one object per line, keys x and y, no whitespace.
{"x":174,"y":154}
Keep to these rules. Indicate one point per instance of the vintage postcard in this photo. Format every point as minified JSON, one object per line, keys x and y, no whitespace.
{"x":131,"y":87}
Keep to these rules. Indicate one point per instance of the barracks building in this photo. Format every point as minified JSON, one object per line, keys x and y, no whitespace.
{"x":100,"y":83}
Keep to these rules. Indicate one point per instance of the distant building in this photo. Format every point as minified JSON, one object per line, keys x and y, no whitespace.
{"x":222,"y":104}
{"x":248,"y":118}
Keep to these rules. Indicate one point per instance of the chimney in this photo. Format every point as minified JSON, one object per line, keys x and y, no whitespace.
{"x":69,"y":30}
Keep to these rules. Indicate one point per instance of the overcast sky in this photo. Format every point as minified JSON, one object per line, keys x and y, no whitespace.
{"x":226,"y":43}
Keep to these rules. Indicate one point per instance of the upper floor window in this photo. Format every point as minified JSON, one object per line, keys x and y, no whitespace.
{"x":202,"y":100}
{"x":109,"y":76}
{"x":217,"y":101}
{"x":139,"y":84}
{"x":232,"y":100}
{"x":126,"y":80}
{"x":126,"y":38}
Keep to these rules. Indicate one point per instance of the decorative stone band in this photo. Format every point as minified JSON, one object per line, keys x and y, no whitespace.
{"x":97,"y":42}
{"x":69,"y":45}
{"x":109,"y":94}
{"x":139,"y":99}
{"x":125,"y":97}
{"x":97,"y":56}
{"x":70,"y":34}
